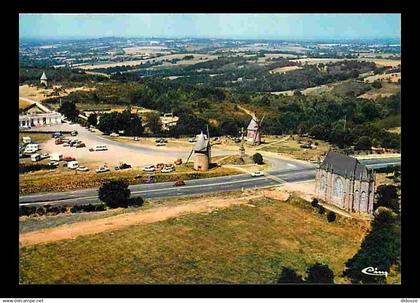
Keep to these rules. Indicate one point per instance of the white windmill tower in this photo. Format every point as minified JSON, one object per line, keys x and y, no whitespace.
{"x":253,"y":136}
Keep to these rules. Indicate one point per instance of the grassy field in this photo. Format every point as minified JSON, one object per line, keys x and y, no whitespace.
{"x":63,"y":179}
{"x":290,"y":146}
{"x":36,"y":137}
{"x":285,"y":69}
{"x":240,"y":244}
{"x":387,"y":89}
{"x":40,"y":94}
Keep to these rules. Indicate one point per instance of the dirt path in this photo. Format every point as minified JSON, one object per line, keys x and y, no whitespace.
{"x":72,"y":231}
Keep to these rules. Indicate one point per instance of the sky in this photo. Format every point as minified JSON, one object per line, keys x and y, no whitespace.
{"x":239,"y":26}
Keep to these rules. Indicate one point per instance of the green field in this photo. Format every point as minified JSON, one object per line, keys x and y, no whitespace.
{"x":240,"y":244}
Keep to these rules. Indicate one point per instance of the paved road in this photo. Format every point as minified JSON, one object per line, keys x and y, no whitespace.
{"x":295,"y":172}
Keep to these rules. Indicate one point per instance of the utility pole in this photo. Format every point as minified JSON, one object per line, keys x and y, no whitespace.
{"x":242,"y":148}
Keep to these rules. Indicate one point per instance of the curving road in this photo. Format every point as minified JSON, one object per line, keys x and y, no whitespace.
{"x":296,"y":172}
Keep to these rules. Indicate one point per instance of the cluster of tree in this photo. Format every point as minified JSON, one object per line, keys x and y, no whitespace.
{"x":380,"y":249}
{"x":125,"y":121}
{"x":340,"y":121}
{"x":317,"y":273}
{"x":117,"y":194}
{"x":69,"y":110}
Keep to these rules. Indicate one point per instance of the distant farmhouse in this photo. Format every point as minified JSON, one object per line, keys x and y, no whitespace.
{"x":36,"y":115}
{"x":346,"y":183}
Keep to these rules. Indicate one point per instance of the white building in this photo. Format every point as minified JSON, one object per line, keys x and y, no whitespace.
{"x":37,"y":115}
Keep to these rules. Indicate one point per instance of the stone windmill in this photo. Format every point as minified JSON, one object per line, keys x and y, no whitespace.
{"x":253,"y":135}
{"x":44,"y":79}
{"x":202,"y":152}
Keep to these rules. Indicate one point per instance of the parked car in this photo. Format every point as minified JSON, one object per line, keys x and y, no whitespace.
{"x":26,"y":140}
{"x":35,"y":157}
{"x":58,"y":141}
{"x":56,"y":135}
{"x":82,"y":168}
{"x":136,"y":139}
{"x":53,"y":164}
{"x":179,"y":183}
{"x":149,"y":168}
{"x":91,"y":149}
{"x":56,"y":157}
{"x":122,"y":166}
{"x":68,"y":159}
{"x":74,"y":142}
{"x":257,"y":174}
{"x":74,"y":133}
{"x":80,"y":145}
{"x":45,"y":156}
{"x":101,"y":148}
{"x":66,"y":144}
{"x":114,"y":135}
{"x":72,"y":164}
{"x":178,"y":161}
{"x":102,"y":169}
{"x":167,"y":169}
{"x":160,"y":144}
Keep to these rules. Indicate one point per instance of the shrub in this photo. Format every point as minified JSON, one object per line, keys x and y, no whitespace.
{"x":289,"y":275}
{"x":114,"y":193}
{"x":40,"y":211}
{"x":321,"y":210}
{"x":136,"y":201}
{"x":314,"y":202}
{"x":258,"y":158}
{"x":100,"y":207}
{"x":27,"y":210}
{"x":75,"y":209}
{"x":331,"y":216}
{"x":88,"y":207}
{"x":320,"y":273}
{"x":387,"y":196}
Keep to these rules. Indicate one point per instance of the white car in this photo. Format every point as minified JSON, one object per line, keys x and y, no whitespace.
{"x":45,"y":156}
{"x":114,"y":135}
{"x":82,"y":168}
{"x":257,"y":174}
{"x":167,"y":169}
{"x":102,"y":169}
{"x":149,"y":168}
{"x":136,"y":139}
{"x":160,"y":144}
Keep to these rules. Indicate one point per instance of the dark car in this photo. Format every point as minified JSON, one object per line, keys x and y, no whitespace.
{"x":179,"y":183}
{"x":122,"y":166}
{"x":79,"y":145}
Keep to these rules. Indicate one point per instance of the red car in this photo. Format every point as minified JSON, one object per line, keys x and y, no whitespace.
{"x":179,"y":183}
{"x":58,"y":141}
{"x":79,"y":145}
{"x":68,"y":159}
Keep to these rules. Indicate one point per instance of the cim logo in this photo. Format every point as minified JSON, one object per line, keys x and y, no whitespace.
{"x":374,"y":272}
